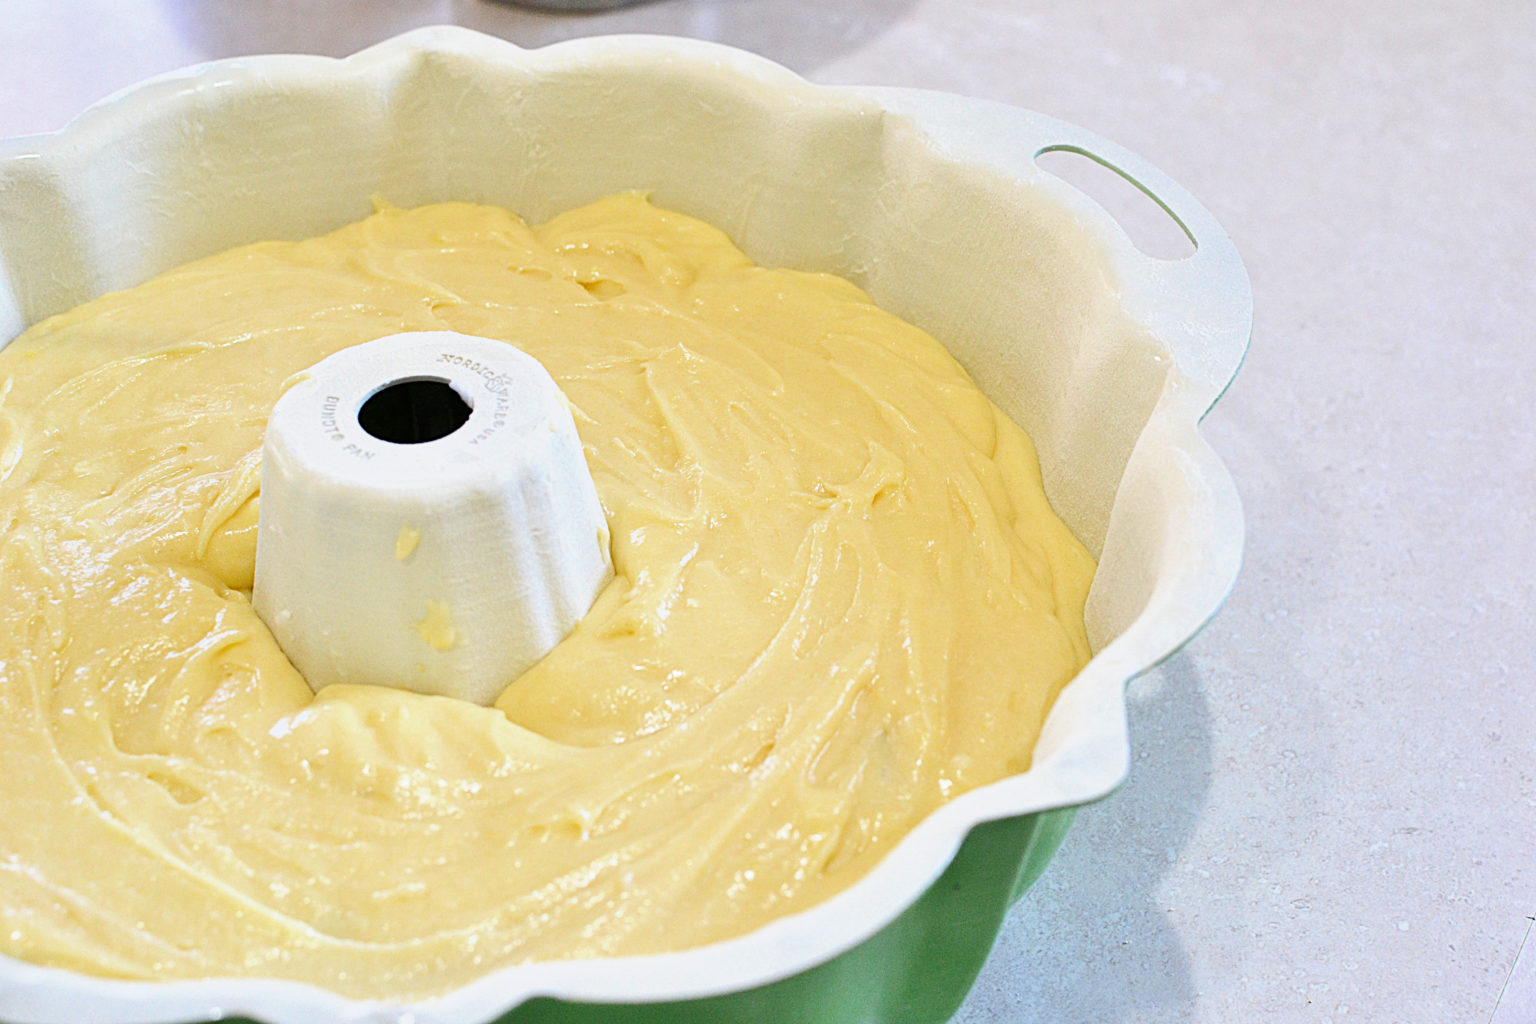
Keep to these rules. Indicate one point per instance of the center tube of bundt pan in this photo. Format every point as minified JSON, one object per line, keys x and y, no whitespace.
{"x":428,"y":520}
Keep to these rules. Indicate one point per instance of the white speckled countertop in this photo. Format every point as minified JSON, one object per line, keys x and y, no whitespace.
{"x":1331,"y":814}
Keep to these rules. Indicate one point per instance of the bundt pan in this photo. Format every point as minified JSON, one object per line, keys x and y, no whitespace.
{"x":933,"y":203}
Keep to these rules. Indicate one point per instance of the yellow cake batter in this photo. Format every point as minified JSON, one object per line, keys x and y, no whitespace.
{"x":840,"y":599}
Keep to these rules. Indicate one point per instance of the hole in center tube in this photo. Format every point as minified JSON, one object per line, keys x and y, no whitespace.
{"x":413,"y":411}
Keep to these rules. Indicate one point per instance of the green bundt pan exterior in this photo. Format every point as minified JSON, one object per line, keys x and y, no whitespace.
{"x":916,"y":970}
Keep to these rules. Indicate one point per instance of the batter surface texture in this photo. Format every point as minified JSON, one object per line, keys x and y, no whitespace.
{"x":840,"y":599}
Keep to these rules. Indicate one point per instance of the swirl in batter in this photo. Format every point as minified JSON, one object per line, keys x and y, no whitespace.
{"x":841,"y":598}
